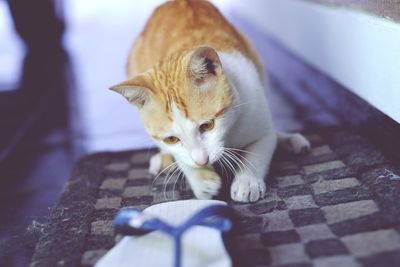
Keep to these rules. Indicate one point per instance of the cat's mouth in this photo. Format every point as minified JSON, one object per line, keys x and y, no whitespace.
{"x":202,"y":164}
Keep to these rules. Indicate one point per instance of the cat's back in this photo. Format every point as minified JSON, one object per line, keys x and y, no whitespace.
{"x":182,"y":24}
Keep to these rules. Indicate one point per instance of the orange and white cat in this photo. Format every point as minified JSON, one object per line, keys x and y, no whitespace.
{"x":199,"y":88}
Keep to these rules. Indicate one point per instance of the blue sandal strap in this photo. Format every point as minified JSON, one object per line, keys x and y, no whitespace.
{"x":134,"y":222}
{"x":215,"y":216}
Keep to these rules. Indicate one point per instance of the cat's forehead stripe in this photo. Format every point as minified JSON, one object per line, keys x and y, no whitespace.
{"x":178,"y":101}
{"x":182,"y":106}
{"x":169,"y":87}
{"x":221,"y":112}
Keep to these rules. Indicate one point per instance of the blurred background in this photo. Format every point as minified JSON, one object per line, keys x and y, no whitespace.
{"x":57,"y":59}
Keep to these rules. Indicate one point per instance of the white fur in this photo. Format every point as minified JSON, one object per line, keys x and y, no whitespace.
{"x":194,"y":146}
{"x":247,"y":125}
{"x":156,"y":164}
{"x":253,"y":129}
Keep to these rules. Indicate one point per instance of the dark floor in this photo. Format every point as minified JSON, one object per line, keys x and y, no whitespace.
{"x":62,"y":111}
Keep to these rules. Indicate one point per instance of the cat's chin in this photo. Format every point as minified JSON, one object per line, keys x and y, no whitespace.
{"x":194,"y":165}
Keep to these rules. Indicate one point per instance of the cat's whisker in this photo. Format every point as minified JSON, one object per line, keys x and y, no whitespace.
{"x":225,"y":172}
{"x":167,"y":176}
{"x":233,"y":162}
{"x":172,"y":165}
{"x":245,"y":151}
{"x":243,"y":157}
{"x":239,"y":156}
{"x":236,"y":161}
{"x":229,"y":164}
{"x":178,"y":175}
{"x":183,"y":169}
{"x":244,"y":165}
{"x":215,"y":154}
{"x":239,"y":105}
{"x":228,"y":114}
{"x":222,"y":160}
{"x":176,"y":181}
{"x":240,"y":162}
{"x":223,"y":168}
{"x":182,"y":181}
{"x":167,"y":180}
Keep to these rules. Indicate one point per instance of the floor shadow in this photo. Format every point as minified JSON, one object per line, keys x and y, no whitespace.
{"x":35,"y":138}
{"x":36,"y":151}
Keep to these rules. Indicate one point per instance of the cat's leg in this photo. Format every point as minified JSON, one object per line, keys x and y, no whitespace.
{"x":204,"y":181}
{"x":159,"y":162}
{"x":248,"y":184}
{"x":294,"y":142}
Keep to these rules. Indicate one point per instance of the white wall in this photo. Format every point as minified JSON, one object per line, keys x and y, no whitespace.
{"x":360,"y":51}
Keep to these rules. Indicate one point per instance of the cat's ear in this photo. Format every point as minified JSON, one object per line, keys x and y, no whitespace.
{"x":135,"y":90}
{"x":204,"y":66}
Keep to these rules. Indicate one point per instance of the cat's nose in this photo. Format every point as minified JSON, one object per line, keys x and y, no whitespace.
{"x":200,"y":157}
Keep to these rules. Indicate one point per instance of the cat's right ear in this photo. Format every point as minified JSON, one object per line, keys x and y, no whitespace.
{"x":204,"y":67}
{"x":135,"y":90}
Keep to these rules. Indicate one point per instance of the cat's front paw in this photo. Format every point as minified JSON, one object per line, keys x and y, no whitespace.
{"x":207,"y":184}
{"x":247,"y":188}
{"x":159,"y":162}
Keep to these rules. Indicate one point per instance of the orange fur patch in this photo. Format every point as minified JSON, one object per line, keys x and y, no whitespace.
{"x":169,"y":84}
{"x":162,"y":55}
{"x":180,"y":25}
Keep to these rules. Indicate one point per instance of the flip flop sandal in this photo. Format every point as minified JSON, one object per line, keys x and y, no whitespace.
{"x":180,"y":233}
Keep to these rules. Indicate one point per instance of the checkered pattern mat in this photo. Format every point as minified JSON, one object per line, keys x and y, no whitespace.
{"x":337,"y":206}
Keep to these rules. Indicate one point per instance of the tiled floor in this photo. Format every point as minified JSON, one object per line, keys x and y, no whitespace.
{"x":70,"y":112}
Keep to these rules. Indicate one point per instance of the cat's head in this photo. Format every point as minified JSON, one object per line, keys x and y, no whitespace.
{"x":185,"y":104}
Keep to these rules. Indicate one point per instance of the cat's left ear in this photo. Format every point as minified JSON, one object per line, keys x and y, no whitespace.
{"x":136,"y":90}
{"x":204,"y":66}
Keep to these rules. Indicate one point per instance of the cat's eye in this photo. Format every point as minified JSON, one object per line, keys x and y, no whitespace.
{"x":207,"y":126}
{"x":170,"y":140}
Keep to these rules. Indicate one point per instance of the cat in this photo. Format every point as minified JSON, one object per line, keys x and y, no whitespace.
{"x":199,"y":88}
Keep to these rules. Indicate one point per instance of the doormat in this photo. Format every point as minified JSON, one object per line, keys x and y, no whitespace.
{"x":339,"y":205}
